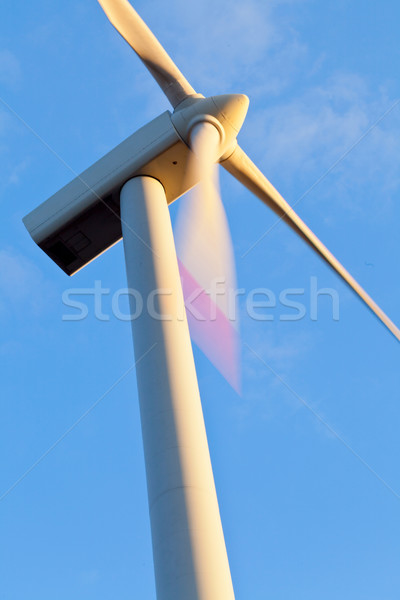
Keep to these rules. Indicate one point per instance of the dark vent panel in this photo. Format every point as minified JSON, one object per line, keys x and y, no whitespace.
{"x":84,"y":238}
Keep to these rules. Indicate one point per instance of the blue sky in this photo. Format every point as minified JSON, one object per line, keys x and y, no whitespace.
{"x":306,"y":460}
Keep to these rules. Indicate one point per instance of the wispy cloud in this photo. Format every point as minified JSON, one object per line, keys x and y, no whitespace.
{"x":312,"y":130}
{"x":223,"y":46}
{"x":10,"y":347}
{"x":302,"y":115}
{"x":14,"y":175}
{"x":10,"y":69}
{"x":22,"y":284}
{"x":284,"y":351}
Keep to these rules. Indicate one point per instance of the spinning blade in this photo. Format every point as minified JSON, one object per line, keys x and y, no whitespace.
{"x":206,"y":260}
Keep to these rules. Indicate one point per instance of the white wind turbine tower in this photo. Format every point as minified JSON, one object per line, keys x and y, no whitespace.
{"x":126,"y":194}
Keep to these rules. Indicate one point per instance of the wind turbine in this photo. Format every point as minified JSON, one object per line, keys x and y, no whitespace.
{"x":126,"y":194}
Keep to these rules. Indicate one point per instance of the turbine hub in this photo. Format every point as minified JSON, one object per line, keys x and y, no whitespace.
{"x":226,"y":113}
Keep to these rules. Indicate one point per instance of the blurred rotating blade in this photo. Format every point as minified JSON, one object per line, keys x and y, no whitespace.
{"x":241,"y":167}
{"x":206,"y":260}
{"x":135,"y":31}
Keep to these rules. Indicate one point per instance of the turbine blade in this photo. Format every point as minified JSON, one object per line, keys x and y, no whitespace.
{"x":241,"y":167}
{"x":206,"y":260}
{"x":135,"y":31}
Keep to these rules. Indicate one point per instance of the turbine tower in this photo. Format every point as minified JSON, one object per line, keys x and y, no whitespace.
{"x":126,"y":194}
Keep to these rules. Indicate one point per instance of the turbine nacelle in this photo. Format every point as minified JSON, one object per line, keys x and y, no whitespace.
{"x":82,"y":219}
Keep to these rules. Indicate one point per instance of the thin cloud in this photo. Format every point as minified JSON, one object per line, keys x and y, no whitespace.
{"x":221,"y":46}
{"x":22,"y":283}
{"x":302,"y":117}
{"x":14,"y":177}
{"x":306,"y":134}
{"x":10,"y":69}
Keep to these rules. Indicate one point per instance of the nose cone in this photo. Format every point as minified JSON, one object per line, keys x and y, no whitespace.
{"x":231,"y":108}
{"x":226,"y":112}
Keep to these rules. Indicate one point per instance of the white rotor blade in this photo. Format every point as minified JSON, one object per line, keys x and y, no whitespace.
{"x":135,"y":31}
{"x":241,"y":167}
{"x":206,"y":260}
